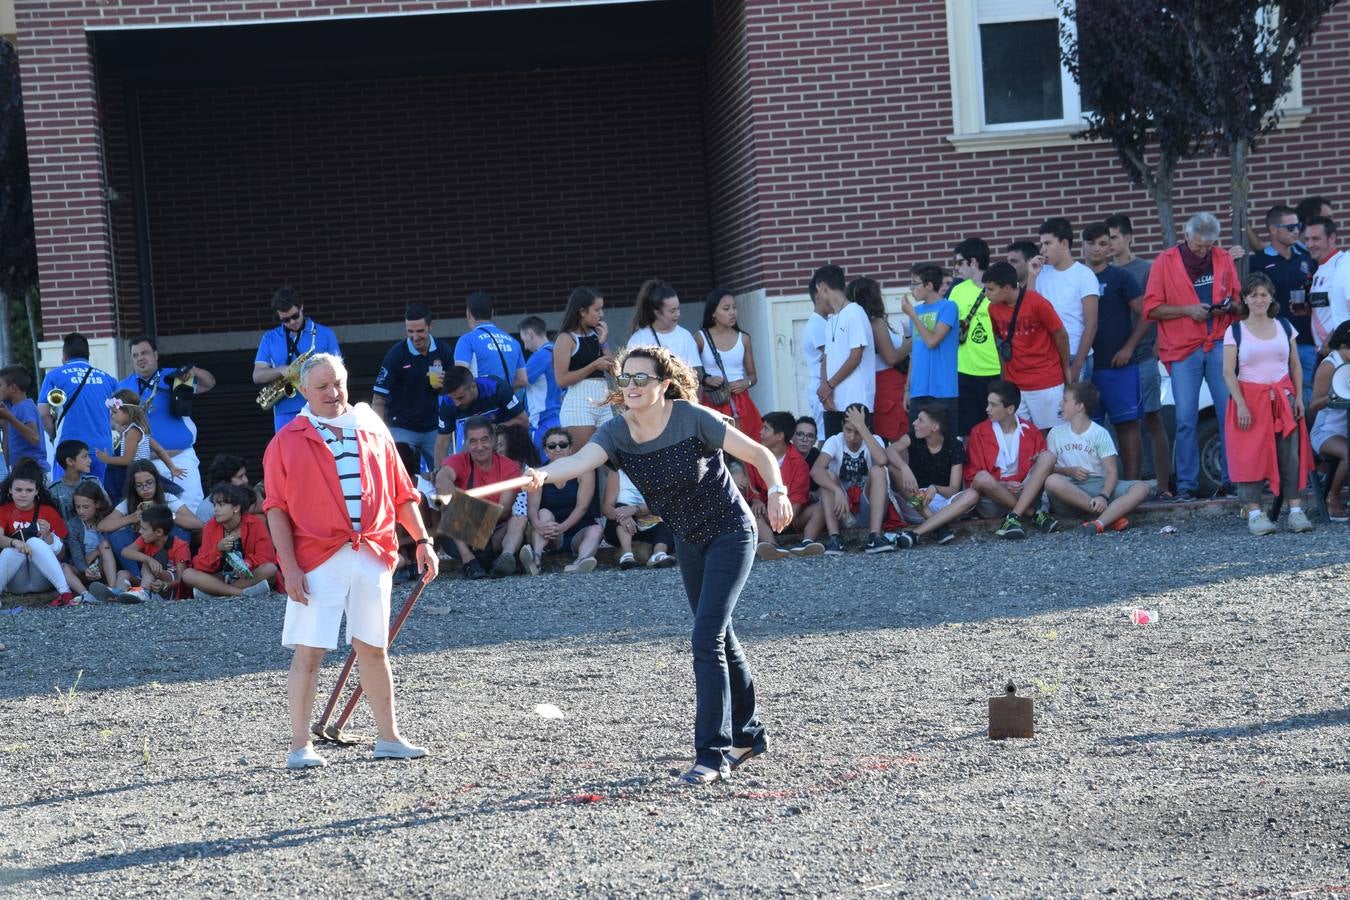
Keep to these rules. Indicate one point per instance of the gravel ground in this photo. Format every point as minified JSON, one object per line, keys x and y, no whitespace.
{"x":1204,"y":755}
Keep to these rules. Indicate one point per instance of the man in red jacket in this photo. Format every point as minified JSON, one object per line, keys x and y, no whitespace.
{"x":1192,"y":293}
{"x":1007,"y":464}
{"x":335,"y":491}
{"x":807,"y":517}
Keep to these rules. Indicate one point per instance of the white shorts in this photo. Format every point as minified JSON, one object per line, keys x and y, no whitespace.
{"x":1041,"y":408}
{"x":585,"y":404}
{"x":354,"y":582}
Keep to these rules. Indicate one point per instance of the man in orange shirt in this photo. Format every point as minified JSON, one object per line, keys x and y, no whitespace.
{"x":336,"y":489}
{"x":807,"y":517}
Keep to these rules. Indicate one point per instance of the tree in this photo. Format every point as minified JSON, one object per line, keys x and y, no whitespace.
{"x":18,"y":248}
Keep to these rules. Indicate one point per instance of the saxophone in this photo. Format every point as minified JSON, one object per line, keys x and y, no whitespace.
{"x":286,"y":385}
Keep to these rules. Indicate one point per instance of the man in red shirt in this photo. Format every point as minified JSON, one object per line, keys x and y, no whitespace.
{"x":336,"y":489}
{"x":478,"y":465}
{"x":1007,"y":463}
{"x":807,"y":517}
{"x":1035,"y":357}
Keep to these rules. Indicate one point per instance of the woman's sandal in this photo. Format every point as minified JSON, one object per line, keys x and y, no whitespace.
{"x":702,"y":775}
{"x":735,"y":761}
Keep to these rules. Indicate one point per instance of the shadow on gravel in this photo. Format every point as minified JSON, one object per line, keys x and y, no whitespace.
{"x":1300,"y":722}
{"x":105,"y":792}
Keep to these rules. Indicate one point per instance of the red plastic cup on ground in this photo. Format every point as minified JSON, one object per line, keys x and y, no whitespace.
{"x":1144,"y":616}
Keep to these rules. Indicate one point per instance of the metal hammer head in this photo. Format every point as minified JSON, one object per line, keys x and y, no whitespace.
{"x":469,"y":519}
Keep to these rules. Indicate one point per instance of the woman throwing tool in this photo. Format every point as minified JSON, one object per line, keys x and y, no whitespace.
{"x":672,"y":449}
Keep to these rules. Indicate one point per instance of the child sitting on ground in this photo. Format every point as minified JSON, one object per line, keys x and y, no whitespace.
{"x":1087,"y":467}
{"x":628,"y":520}
{"x":236,"y":558}
{"x":73,"y":458}
{"x":232,"y":469}
{"x":32,"y":536}
{"x":162,"y":557}
{"x":91,"y":567}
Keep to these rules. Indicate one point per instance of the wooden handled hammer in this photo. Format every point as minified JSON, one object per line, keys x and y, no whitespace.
{"x":467,"y":517}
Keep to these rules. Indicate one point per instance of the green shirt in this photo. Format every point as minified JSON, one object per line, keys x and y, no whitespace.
{"x":978,"y":355}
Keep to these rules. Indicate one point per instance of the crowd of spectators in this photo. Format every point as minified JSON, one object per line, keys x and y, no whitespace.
{"x":1017,"y":386}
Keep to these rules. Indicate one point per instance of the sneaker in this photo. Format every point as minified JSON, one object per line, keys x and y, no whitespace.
{"x":528,"y":562}
{"x":905,"y":540}
{"x":305,"y":758}
{"x":834,"y":546}
{"x":199,"y":594}
{"x":261,"y":589}
{"x":65,"y":599}
{"x":1298,"y":521}
{"x":626,"y":562}
{"x":130,"y":595}
{"x":661,"y":560}
{"x":473,"y":570}
{"x":1185,"y":497}
{"x":401,"y":749}
{"x":1046,"y":524}
{"x":86,"y":597}
{"x":808,"y":548}
{"x":1012,"y":529}
{"x":1337,"y":513}
{"x":944,"y":535}
{"x":101,"y":591}
{"x":1120,"y":524}
{"x":580,"y":567}
{"x":1258,"y":524}
{"x":877,"y":544}
{"x":1091,"y":529}
{"x":767,"y":551}
{"x":503,"y":565}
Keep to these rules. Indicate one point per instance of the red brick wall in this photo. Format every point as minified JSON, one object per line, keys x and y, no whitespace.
{"x":852,"y":107}
{"x":368,"y":195}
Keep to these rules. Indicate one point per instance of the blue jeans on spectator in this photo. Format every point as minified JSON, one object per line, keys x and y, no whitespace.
{"x":1307,"y":358}
{"x":1187,"y":376}
{"x":424,"y":441}
{"x":724,"y":690}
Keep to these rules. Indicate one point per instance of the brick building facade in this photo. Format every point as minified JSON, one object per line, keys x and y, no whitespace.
{"x":189,"y":157}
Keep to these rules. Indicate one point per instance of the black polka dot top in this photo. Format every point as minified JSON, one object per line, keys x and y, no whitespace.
{"x":682,"y":474}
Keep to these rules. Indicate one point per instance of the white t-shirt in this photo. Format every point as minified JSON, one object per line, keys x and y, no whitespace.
{"x":848,"y":329}
{"x":1330,"y":296}
{"x":1086,"y":450}
{"x":814,"y":334}
{"x":850,"y":467}
{"x":1009,"y":449}
{"x":170,"y":500}
{"x":1065,"y":291}
{"x":680,"y":342}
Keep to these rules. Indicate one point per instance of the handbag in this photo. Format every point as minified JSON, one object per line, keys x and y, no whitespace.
{"x":721,"y":395}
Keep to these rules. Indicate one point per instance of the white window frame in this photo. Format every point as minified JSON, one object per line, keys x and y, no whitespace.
{"x":970,"y":133}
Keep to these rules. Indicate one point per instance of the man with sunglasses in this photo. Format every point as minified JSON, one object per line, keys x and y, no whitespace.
{"x":294,"y":336}
{"x":1290,"y":268}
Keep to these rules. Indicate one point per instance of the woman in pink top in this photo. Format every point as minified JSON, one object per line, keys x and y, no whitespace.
{"x":1265,"y":434}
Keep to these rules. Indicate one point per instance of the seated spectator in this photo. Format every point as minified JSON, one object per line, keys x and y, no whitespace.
{"x":31,"y":531}
{"x":145,"y":487}
{"x":932,"y":374}
{"x":629,"y":521}
{"x":1032,"y":343}
{"x":563,"y":516}
{"x":227,"y":468}
{"x":807,"y":517}
{"x":479,"y":465}
{"x":1267,"y":438}
{"x":804,"y":438}
{"x":75,"y":462}
{"x":1086,"y":479}
{"x":236,"y":558}
{"x":489,"y":398}
{"x":162,"y":557}
{"x":25,"y":438}
{"x":853,"y":479}
{"x":931,"y":473}
{"x":1006,"y":463}
{"x":515,"y":443}
{"x":91,"y":568}
{"x":1328,"y":431}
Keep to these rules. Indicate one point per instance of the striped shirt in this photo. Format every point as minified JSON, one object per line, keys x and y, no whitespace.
{"x":347,"y":458}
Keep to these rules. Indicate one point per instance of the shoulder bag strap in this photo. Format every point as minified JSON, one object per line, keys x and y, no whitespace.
{"x":507,"y":375}
{"x":970,"y":317}
{"x":717,"y":357}
{"x":70,"y":401}
{"x":1017,"y":310}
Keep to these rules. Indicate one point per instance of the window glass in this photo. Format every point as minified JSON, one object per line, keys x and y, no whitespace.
{"x":1022,"y":79}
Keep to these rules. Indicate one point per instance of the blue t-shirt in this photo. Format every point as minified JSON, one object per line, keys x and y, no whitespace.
{"x":479,"y":350}
{"x":84,"y":417}
{"x":409,"y":399}
{"x":496,"y":401}
{"x":1115,"y":289}
{"x":18,"y":448}
{"x":543,"y":398}
{"x":172,"y":432}
{"x":932,"y":372}
{"x":279,"y":348}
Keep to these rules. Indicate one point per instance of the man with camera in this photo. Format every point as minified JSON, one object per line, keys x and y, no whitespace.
{"x":166,"y":396}
{"x":1032,"y":345}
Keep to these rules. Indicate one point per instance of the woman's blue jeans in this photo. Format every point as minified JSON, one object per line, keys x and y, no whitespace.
{"x":724,"y":690}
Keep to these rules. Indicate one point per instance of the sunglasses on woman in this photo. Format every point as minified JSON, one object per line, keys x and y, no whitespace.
{"x":640,"y":379}
{"x":563,"y":445}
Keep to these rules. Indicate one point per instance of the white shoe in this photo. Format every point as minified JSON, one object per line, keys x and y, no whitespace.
{"x":399,"y":749}
{"x":199,"y":594}
{"x":1298,"y":521}
{"x":661,"y":560}
{"x":305,"y":758}
{"x":629,"y":561}
{"x":527,"y":560}
{"x":261,"y":589}
{"x":580,"y":566}
{"x":1258,"y":524}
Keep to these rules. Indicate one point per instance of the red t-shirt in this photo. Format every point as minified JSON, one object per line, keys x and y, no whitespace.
{"x":796,"y":475}
{"x":499,"y":469}
{"x":12,"y":518}
{"x":1035,"y":365}
{"x":177,"y":555}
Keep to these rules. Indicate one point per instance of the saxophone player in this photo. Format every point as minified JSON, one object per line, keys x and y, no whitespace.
{"x":295,"y":335}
